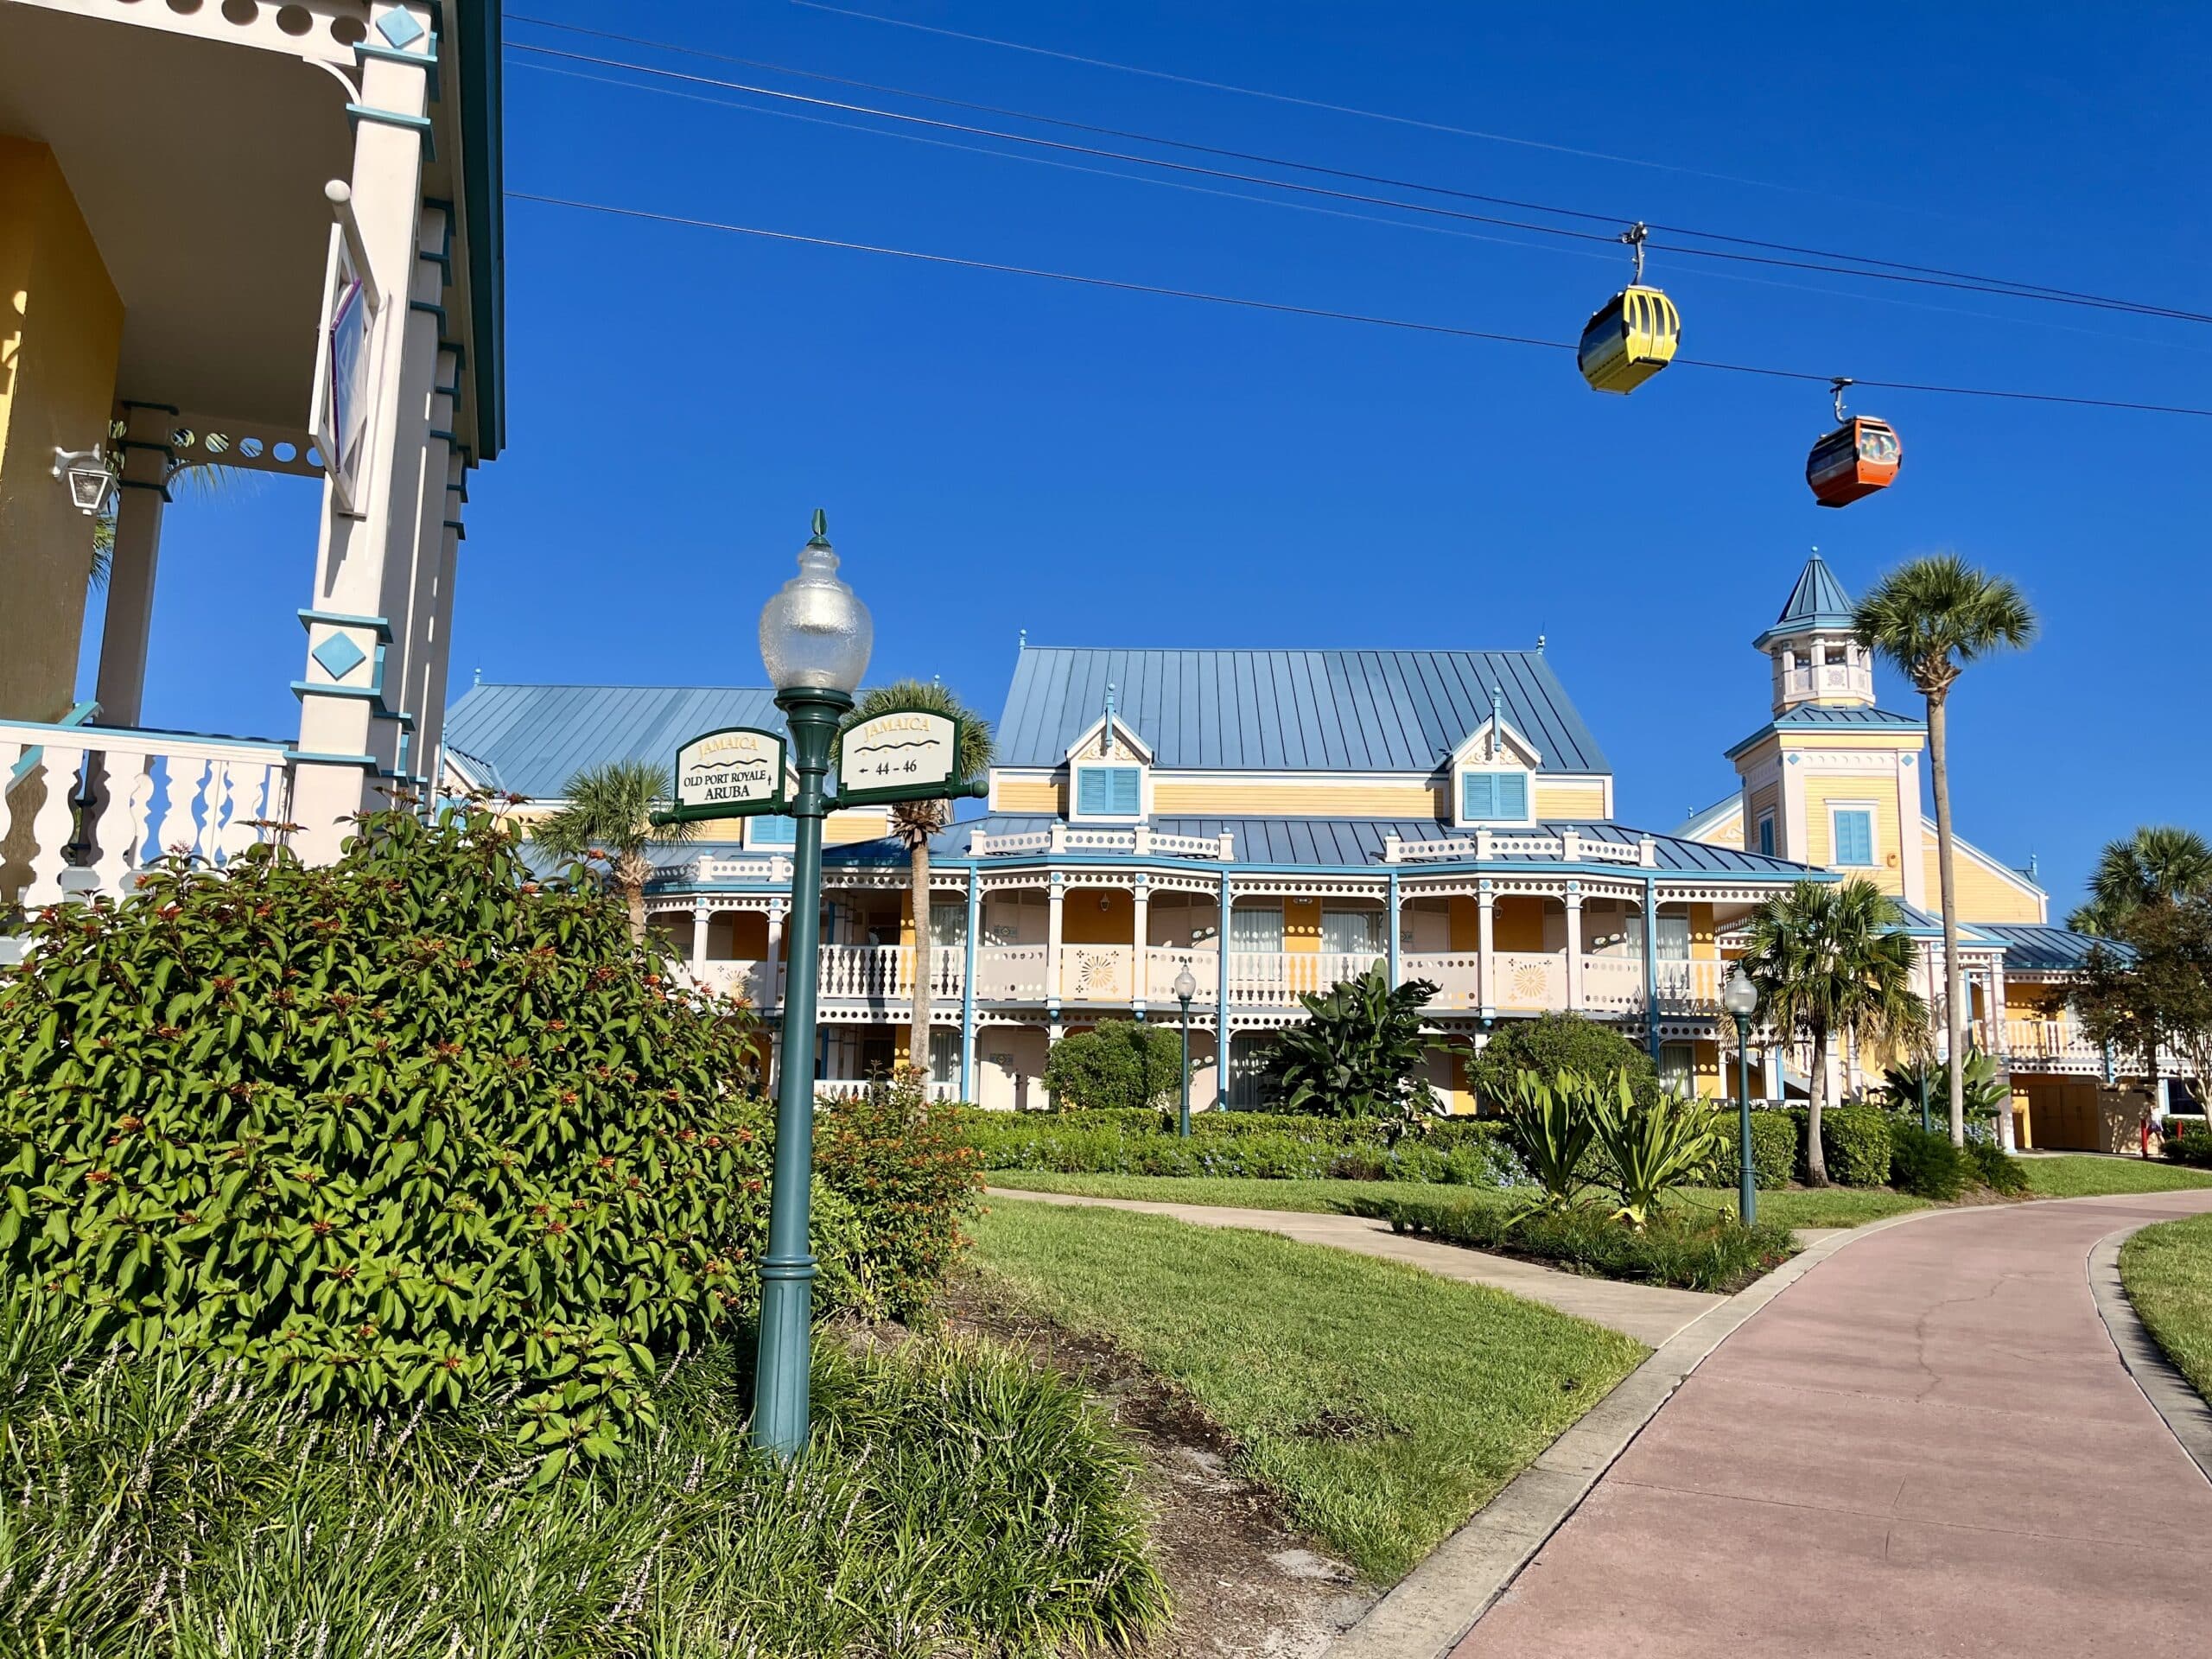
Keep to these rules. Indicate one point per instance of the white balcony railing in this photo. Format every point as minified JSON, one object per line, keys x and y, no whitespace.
{"x":1456,"y":975}
{"x":1098,"y":973}
{"x":1614,"y":984}
{"x":1568,"y":846}
{"x":1163,"y":963}
{"x":1282,"y":977}
{"x":1532,"y":982}
{"x":1141,"y":840}
{"x":853,"y":1088}
{"x":758,"y":982}
{"x":95,"y":805}
{"x":885,"y":973}
{"x":1693,"y":987}
{"x":1011,"y":973}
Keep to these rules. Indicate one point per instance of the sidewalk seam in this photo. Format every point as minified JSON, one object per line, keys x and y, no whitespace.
{"x":2183,"y":1411}
{"x":1431,"y":1609}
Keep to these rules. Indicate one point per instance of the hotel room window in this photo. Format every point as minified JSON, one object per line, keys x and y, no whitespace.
{"x":1855,"y":838}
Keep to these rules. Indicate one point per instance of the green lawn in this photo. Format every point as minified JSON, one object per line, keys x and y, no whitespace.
{"x":1837,"y":1206}
{"x":1385,"y":1404}
{"x":2168,"y":1272}
{"x":2087,"y":1178}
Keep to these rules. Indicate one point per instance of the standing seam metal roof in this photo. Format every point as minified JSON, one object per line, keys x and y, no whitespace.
{"x":1290,"y":710}
{"x":535,"y":738}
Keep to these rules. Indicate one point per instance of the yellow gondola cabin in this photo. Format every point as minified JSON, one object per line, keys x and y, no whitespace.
{"x":1630,"y":338}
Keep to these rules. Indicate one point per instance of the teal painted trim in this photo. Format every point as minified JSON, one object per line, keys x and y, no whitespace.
{"x":342,"y":620}
{"x":79,"y":714}
{"x":453,"y":390}
{"x":423,"y":59}
{"x":303,"y":689}
{"x":306,"y":757}
{"x":1457,"y":867}
{"x":968,"y":989}
{"x":483,"y":171}
{"x":417,"y":124}
{"x":398,"y":718}
{"x":1221,"y":1003}
{"x":440,"y":432}
{"x":437,"y":311}
{"x":1651,"y":966}
{"x":442,"y":261}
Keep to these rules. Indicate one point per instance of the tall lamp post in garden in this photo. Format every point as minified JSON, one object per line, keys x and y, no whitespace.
{"x":814,"y":639}
{"x":1741,"y":998}
{"x":1186,"y":989}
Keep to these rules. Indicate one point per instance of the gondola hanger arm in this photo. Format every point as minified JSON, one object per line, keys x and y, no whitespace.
{"x":1634,"y":236}
{"x":1836,"y":386}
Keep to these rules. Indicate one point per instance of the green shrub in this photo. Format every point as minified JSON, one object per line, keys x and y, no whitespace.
{"x":1695,"y":1251}
{"x":404,"y":1129}
{"x":1777,"y":1142}
{"x":1651,"y":1146}
{"x":908,"y":1175}
{"x":1554,"y":1132}
{"x":1118,"y":1065}
{"x":2193,"y":1147}
{"x":1855,"y":1143}
{"x":1361,"y":1052}
{"x":958,"y":1498}
{"x":1924,"y":1163}
{"x":1551,"y":1045}
{"x":1996,"y":1169}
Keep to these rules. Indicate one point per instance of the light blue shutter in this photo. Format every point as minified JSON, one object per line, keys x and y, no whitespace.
{"x":1128,"y":796}
{"x":1854,"y":838}
{"x":1092,"y":790}
{"x":1512,"y":795}
{"x":1766,"y":836}
{"x":1108,"y":791}
{"x":1478,"y":795}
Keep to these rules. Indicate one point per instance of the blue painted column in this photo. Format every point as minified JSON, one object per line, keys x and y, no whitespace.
{"x":1221,"y":1006}
{"x":1392,"y":925}
{"x":1651,"y":967}
{"x":968,"y":987}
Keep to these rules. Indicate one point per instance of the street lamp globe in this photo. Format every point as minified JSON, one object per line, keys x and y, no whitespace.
{"x":1185,"y":987}
{"x":1739,"y":996}
{"x":815,"y":633}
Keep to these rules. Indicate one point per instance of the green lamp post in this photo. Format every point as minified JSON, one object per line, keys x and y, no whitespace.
{"x":1186,"y":989}
{"x":1741,"y":998}
{"x":815,"y":638}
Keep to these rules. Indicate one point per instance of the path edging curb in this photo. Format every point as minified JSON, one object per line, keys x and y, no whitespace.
{"x":2183,"y":1411}
{"x":1428,"y":1611}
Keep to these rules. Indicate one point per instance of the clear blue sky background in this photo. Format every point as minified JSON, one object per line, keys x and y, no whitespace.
{"x":997,"y":453}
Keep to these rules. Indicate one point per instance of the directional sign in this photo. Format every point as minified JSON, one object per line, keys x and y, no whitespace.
{"x":735,"y":772}
{"x":906,"y":755}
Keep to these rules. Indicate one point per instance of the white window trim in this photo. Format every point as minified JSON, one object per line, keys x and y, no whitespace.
{"x":1460,"y":817}
{"x":1766,"y":839}
{"x":1872,"y":809}
{"x":1077,"y":815}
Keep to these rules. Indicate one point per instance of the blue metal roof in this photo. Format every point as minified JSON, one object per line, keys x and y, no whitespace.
{"x":1817,"y":601}
{"x":1356,"y":843}
{"x":1290,"y":710}
{"x":1813,"y":713}
{"x":535,"y":738}
{"x":2033,"y":947}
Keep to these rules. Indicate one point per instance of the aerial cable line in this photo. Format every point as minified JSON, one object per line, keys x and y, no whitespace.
{"x":1423,"y":226}
{"x":2012,"y":286}
{"x":1977,"y":286}
{"x":1372,"y":319}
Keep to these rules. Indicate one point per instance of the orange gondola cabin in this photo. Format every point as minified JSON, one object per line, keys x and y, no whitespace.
{"x":1856,"y":459}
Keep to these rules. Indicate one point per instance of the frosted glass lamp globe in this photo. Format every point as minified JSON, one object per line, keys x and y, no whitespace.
{"x":815,"y":633}
{"x":1739,"y":996}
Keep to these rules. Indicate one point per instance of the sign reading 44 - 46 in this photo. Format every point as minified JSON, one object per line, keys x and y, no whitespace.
{"x":733,"y":772}
{"x":906,"y":755}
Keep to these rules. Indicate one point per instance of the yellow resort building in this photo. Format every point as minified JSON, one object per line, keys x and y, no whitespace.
{"x":1273,"y":821}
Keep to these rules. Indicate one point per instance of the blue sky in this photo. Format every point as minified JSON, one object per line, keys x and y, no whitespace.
{"x":997,"y":453}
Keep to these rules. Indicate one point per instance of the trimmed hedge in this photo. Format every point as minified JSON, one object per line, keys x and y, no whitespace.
{"x":1263,"y":1146}
{"x":1997,"y":1169}
{"x":2192,"y":1148}
{"x":1854,"y":1142}
{"x":1777,"y":1139}
{"x":1925,"y":1164}
{"x":1695,"y":1251}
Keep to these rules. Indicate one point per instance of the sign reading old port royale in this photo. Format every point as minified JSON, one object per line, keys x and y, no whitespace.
{"x":736,"y":772}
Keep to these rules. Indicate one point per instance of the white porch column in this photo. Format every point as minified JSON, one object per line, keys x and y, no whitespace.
{"x":147,"y":458}
{"x":1140,"y":906}
{"x":429,"y":600}
{"x":366,"y":553}
{"x":1486,"y":921}
{"x":413,"y":566}
{"x":772,"y":976}
{"x":1053,"y":906}
{"x":700,"y":917}
{"x":1574,"y":944}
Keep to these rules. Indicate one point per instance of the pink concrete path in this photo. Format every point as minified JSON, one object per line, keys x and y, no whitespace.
{"x":1927,"y":1445}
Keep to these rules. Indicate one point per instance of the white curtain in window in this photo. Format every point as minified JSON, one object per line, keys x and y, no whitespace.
{"x":1348,"y":932}
{"x":1253,"y":929}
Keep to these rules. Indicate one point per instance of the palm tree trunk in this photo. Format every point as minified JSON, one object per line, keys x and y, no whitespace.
{"x":918,"y":1036}
{"x":633,"y":897}
{"x":1817,"y":1094}
{"x":1955,"y":1013}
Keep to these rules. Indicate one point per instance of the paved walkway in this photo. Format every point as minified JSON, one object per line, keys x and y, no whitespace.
{"x":1651,"y":1313}
{"x":1927,"y":1445}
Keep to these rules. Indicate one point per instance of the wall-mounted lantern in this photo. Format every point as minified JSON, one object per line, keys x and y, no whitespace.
{"x":89,"y":478}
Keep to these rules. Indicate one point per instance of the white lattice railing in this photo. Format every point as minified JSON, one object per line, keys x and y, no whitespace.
{"x":1139,"y":840}
{"x":95,"y":805}
{"x":767,"y":867}
{"x":1691,"y":987}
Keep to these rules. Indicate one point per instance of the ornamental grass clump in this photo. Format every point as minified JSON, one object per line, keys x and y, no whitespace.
{"x":408,"y":1130}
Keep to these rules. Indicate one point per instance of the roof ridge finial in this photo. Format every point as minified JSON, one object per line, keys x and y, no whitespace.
{"x":1106,"y":731}
{"x":1496,"y":720}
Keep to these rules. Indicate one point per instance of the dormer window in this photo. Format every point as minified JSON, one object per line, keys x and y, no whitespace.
{"x":1492,"y":774}
{"x":1493,"y":797}
{"x":1109,"y":791}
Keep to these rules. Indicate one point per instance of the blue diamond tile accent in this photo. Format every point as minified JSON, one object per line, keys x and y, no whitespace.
{"x":338,"y":655}
{"x":400,"y":29}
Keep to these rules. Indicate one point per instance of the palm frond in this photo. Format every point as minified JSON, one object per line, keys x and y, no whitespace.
{"x":1931,"y":615}
{"x":610,"y":810}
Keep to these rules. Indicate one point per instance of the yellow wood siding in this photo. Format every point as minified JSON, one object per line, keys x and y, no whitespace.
{"x":1878,"y":795}
{"x":1465,"y":922}
{"x":1580,"y":798}
{"x":1085,"y":920}
{"x":1301,"y":925}
{"x":1728,"y":832}
{"x":1858,"y":740}
{"x":1984,"y":895}
{"x":1038,"y":795}
{"x":844,"y":827}
{"x":1704,"y":947}
{"x":1519,"y":922}
{"x":1198,"y":798}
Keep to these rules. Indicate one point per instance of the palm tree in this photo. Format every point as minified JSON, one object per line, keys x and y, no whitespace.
{"x":915,"y":822}
{"x":609,"y":816}
{"x":2160,"y":863}
{"x":1831,"y":959}
{"x":1931,"y":617}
